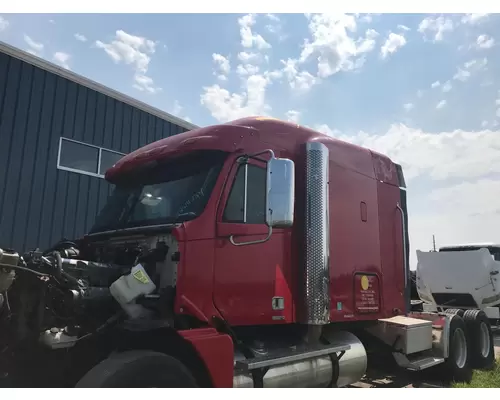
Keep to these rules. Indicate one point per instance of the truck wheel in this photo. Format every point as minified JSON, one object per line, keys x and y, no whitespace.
{"x":481,"y":351}
{"x":138,"y":369}
{"x":454,"y":311}
{"x":457,"y":367}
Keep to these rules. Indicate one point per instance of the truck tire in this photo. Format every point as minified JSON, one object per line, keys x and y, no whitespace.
{"x":454,"y":311}
{"x":481,"y":350}
{"x":138,"y":369}
{"x":457,"y":366}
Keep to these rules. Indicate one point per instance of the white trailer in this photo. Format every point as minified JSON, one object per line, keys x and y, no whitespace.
{"x":461,"y":277}
{"x":463,"y":280}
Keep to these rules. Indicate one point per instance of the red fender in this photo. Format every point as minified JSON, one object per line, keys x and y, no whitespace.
{"x":217,"y":352}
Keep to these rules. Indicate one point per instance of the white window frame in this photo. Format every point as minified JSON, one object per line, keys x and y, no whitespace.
{"x":79,"y":171}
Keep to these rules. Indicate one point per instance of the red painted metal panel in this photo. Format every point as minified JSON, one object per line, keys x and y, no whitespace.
{"x":366,"y":293}
{"x":216,"y":351}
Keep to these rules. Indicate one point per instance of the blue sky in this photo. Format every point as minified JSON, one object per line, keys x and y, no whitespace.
{"x":421,"y":88}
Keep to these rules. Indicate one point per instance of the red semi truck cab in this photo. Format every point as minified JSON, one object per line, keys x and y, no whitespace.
{"x":256,"y":253}
{"x":218,"y":209}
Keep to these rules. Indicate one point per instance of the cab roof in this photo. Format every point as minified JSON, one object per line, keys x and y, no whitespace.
{"x":255,"y":134}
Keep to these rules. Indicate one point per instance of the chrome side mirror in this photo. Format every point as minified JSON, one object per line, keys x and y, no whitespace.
{"x":280,"y":194}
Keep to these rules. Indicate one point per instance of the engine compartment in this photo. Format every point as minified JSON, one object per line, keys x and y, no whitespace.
{"x":73,"y":292}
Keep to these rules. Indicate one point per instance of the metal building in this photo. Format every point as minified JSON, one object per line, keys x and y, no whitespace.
{"x":59,"y":132}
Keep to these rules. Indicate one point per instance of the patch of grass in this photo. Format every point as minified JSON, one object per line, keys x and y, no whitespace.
{"x":483,"y":379}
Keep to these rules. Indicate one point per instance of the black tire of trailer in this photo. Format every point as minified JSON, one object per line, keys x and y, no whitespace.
{"x":138,"y":369}
{"x":455,"y":311}
{"x":457,"y":366}
{"x":481,"y":347}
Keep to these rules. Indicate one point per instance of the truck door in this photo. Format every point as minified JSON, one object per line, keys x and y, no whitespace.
{"x":249,"y":282}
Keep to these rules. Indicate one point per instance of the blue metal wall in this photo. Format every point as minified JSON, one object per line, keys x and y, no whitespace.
{"x":40,"y":204}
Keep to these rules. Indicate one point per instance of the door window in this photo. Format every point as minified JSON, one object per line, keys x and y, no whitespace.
{"x":256,"y":197}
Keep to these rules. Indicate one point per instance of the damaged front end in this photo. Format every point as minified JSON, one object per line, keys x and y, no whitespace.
{"x":61,"y":310}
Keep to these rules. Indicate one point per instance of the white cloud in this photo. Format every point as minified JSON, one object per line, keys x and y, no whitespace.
{"x":420,"y":93}
{"x":441,"y":104}
{"x":275,"y":27}
{"x":440,"y":156}
{"x":129,"y":49}
{"x":248,"y":38}
{"x":435,"y":84}
{"x":403,"y":27}
{"x":436,"y":26}
{"x":293,"y":116}
{"x":145,"y":84}
{"x":247,"y":69}
{"x":333,"y":45}
{"x":476,"y":65}
{"x":324,"y":128}
{"x":447,"y":86}
{"x":408,"y":106}
{"x":223,"y":66}
{"x":246,"y":57}
{"x":470,"y":67}
{"x":462,"y":75}
{"x":222,"y":62}
{"x":273,"y":17}
{"x":473,"y":19}
{"x":367,"y":18}
{"x":62,"y":59}
{"x":367,"y":43}
{"x":300,"y":81}
{"x":225,"y":106}
{"x":484,"y":124}
{"x":4,"y":24}
{"x":392,"y":44}
{"x":135,"y":51}
{"x":485,"y":42}
{"x":80,"y":37}
{"x":177,"y":108}
{"x":34,"y":47}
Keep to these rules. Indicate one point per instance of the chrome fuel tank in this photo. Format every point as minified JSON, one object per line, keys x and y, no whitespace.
{"x":318,"y":372}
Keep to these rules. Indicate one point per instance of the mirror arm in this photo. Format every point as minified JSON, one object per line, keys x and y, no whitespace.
{"x":244,"y":159}
{"x":254,"y":155}
{"x":269,"y":233}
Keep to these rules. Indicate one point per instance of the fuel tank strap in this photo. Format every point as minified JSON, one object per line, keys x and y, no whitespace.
{"x":287,"y":357}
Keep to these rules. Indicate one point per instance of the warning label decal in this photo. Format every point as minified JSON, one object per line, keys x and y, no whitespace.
{"x":366,"y":293}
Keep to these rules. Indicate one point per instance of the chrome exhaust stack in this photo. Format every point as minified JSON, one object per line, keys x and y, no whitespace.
{"x":316,"y":274}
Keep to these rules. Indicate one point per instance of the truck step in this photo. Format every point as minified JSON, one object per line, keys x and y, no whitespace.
{"x":424,"y":363}
{"x":288,"y":356}
{"x":417,"y":363}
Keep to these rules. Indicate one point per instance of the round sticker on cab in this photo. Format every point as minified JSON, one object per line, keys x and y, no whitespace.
{"x":365,"y":283}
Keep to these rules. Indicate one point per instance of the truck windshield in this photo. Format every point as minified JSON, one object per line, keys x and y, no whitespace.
{"x":167,"y":192}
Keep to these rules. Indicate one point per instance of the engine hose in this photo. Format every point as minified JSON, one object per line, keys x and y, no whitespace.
{"x":18,"y":267}
{"x":62,"y":274}
{"x":59,"y":263}
{"x":62,"y":243}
